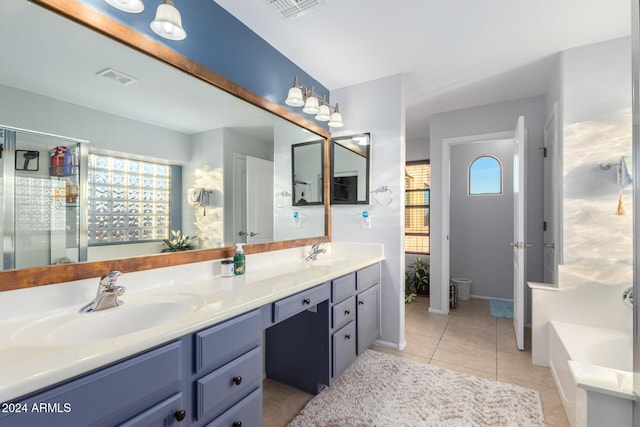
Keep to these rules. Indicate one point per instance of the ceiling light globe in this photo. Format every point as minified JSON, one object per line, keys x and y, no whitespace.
{"x":168,"y":23}
{"x":130,"y":6}
{"x":324,"y":114}
{"x":294,"y":98}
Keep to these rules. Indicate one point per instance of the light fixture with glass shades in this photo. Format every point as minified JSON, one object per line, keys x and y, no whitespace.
{"x":167,"y":23}
{"x":301,"y":96}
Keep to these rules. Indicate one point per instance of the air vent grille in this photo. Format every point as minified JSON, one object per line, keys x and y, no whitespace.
{"x":293,"y":8}
{"x":117,"y":76}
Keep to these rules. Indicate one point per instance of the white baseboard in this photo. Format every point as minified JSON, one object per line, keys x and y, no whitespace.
{"x":392,"y":345}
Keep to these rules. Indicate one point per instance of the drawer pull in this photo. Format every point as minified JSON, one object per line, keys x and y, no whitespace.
{"x":180,"y":415}
{"x":306,"y":301}
{"x":347,"y":312}
{"x":347,"y":337}
{"x":237,"y":380}
{"x":361,"y":302}
{"x":237,"y":424}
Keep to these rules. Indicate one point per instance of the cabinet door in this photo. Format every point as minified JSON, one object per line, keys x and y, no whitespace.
{"x":368,"y":318}
{"x":344,"y":348}
{"x":167,"y":414}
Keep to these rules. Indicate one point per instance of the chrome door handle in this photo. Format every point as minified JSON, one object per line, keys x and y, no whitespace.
{"x":242,"y":233}
{"x":550,"y":245}
{"x":527,"y":245}
{"x":514,"y":244}
{"x":252,"y":234}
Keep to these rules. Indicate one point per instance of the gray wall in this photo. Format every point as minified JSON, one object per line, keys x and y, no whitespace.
{"x":482,"y":225}
{"x":479,"y":120}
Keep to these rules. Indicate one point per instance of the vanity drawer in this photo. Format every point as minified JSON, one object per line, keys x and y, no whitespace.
{"x":300,"y":302}
{"x":247,"y":412}
{"x":221,"y":389}
{"x":162,"y":414}
{"x":224,"y":342}
{"x":344,"y":348}
{"x":342,"y":313}
{"x":343,"y":287}
{"x":367,"y":277}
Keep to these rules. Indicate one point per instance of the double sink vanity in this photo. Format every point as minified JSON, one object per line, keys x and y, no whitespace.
{"x":187,"y":347}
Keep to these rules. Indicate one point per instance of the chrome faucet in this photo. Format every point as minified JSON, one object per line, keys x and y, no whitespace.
{"x":107,"y":293}
{"x":315,"y":250}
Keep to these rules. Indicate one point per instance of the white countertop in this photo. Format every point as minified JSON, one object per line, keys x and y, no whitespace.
{"x":270,"y":276}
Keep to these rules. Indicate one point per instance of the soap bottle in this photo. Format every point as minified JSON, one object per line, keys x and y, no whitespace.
{"x":238,"y":260}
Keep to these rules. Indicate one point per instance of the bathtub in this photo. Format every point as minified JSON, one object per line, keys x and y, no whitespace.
{"x":585,"y":360}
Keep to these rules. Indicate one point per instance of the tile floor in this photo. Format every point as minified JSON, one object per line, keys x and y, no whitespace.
{"x":468,"y":340}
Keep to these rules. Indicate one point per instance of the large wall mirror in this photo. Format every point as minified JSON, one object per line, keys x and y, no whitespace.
{"x":308,"y":173}
{"x":154,"y":149}
{"x":350,"y":159}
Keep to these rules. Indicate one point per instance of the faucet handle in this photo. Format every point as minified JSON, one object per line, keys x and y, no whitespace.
{"x":316,"y":246}
{"x":109,"y":279}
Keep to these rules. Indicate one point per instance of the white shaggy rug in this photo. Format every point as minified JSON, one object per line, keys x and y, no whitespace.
{"x":384,"y":390}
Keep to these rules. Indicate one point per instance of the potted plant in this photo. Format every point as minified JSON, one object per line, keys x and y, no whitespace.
{"x":179,"y":242}
{"x":417,"y":279}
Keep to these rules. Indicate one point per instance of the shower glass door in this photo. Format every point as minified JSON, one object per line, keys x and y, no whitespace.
{"x":43,"y":221}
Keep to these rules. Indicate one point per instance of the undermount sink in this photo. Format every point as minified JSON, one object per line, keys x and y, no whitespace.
{"x":135,"y":315}
{"x":328,"y":261}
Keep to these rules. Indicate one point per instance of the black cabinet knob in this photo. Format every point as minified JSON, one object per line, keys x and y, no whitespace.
{"x":306,"y":301}
{"x":180,"y":415}
{"x":237,"y":424}
{"x":361,"y":302}
{"x":347,"y":312}
{"x":237,"y":380}
{"x":347,"y":337}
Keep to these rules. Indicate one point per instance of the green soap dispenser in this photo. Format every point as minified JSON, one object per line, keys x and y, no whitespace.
{"x":238,"y":260}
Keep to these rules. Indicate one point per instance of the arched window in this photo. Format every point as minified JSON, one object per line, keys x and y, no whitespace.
{"x":485,"y":176}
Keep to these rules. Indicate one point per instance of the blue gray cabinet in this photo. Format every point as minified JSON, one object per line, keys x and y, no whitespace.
{"x":213,"y":377}
{"x":146,"y":387}
{"x":210,"y":377}
{"x":313,"y":346}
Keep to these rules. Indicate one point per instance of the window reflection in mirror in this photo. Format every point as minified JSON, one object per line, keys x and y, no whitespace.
{"x":308,"y":179}
{"x":350,"y":169}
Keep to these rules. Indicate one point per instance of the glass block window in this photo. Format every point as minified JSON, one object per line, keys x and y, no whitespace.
{"x":417,"y":189}
{"x":129,"y":200}
{"x":485,"y":176}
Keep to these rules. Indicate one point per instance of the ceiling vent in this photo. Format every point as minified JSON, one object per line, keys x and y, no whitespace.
{"x":294,"y":8}
{"x":116,"y":76}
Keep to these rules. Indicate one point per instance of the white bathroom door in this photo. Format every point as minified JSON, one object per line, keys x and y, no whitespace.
{"x":259,"y":200}
{"x":519,"y":219}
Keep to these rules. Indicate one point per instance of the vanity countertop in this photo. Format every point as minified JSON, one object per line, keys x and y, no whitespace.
{"x":271,"y":276}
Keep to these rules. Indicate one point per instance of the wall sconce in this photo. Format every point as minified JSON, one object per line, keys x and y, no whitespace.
{"x":167,"y":23}
{"x":301,"y":96}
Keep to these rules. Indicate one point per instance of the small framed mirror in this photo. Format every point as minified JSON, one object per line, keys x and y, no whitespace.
{"x":307,"y":164}
{"x":350,"y":169}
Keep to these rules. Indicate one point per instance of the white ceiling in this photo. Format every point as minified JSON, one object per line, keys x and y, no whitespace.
{"x":454,"y":54}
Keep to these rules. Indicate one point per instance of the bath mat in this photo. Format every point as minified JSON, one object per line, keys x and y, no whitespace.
{"x":383,"y":390}
{"x":501,"y":308}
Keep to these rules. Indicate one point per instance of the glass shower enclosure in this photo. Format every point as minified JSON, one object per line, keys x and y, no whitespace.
{"x":43,"y":190}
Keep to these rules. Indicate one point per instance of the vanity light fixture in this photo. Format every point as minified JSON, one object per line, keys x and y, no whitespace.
{"x":130,"y":6}
{"x":301,"y":96}
{"x":167,"y":23}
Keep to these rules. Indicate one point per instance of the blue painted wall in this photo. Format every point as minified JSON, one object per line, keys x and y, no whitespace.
{"x":220,"y":42}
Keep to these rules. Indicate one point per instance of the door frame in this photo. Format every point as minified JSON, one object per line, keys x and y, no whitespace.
{"x":448,"y":143}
